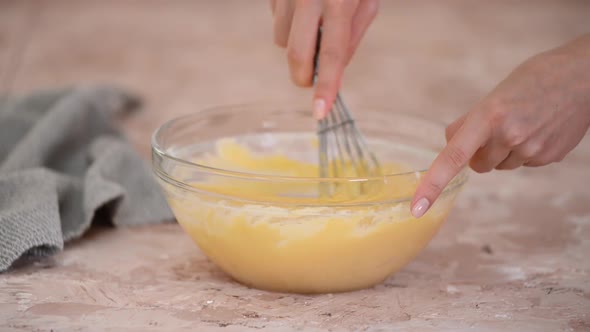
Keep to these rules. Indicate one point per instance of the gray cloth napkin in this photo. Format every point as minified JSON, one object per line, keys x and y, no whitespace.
{"x":63,"y":165}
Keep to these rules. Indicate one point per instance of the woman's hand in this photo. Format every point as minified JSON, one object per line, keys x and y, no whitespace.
{"x":532,"y":118}
{"x":343,"y":22}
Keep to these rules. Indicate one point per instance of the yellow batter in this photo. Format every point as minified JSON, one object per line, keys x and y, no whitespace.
{"x":282,"y":236}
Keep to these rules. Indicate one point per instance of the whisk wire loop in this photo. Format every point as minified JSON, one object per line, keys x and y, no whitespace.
{"x":343,"y":150}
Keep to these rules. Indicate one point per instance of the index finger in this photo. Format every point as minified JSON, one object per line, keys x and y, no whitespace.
{"x":452,"y":159}
{"x":336,"y":31}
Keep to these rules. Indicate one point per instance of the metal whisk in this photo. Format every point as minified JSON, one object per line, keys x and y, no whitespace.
{"x":343,"y":150}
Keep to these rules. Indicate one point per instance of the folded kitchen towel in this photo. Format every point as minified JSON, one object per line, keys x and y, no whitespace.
{"x":64,"y":165}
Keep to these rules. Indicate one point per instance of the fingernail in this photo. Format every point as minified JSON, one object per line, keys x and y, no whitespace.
{"x":319,"y":109}
{"x":420,"y":207}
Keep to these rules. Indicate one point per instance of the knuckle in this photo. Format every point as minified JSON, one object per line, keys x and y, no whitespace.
{"x":531,"y":149}
{"x":456,"y":157}
{"x":514,"y":135}
{"x":510,"y":133}
{"x":496,"y":106}
{"x":497,"y":114}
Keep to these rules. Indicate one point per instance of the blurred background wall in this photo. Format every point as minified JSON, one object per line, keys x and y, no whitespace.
{"x":430,"y":57}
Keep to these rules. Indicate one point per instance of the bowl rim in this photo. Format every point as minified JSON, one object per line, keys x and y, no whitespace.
{"x":157,"y":149}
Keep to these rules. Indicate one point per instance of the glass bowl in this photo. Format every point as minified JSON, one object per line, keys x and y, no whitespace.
{"x":266,"y":226}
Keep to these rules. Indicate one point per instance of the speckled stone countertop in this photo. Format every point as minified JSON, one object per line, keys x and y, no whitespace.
{"x":513,"y":255}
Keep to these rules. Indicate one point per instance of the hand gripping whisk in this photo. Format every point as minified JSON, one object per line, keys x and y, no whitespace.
{"x":343,"y":151}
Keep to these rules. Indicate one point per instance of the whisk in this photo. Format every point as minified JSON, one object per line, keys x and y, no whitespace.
{"x":343,"y":150}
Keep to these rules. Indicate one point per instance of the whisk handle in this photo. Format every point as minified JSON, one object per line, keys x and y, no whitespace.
{"x":316,"y":57}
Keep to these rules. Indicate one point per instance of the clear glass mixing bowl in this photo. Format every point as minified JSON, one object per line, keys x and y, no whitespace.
{"x":268,"y":229}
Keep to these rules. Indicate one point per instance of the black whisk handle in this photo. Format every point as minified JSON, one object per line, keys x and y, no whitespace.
{"x":316,"y":57}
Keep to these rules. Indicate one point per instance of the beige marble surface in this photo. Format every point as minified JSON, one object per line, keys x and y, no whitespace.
{"x":512,"y":257}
